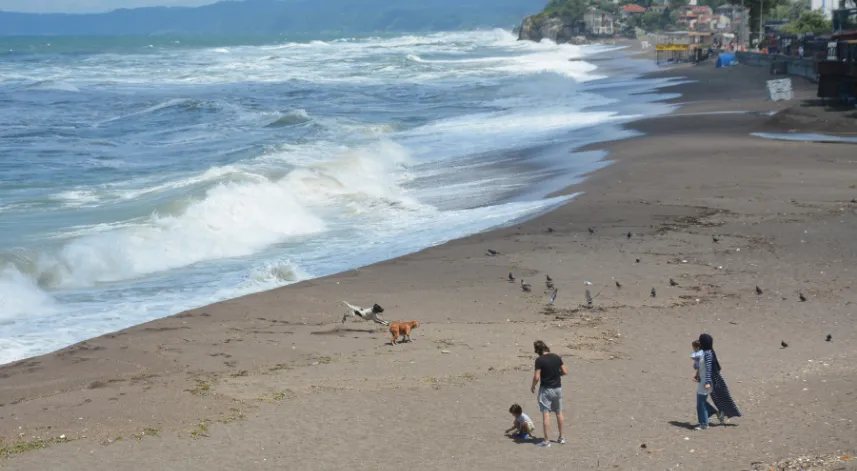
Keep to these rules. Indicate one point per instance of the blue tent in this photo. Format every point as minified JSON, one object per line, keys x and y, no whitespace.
{"x":726,"y":60}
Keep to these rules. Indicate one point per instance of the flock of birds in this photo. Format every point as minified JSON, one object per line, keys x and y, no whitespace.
{"x":549,"y":284}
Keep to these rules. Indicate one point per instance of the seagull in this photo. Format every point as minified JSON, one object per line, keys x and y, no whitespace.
{"x":588,"y":299}
{"x":715,"y":239}
{"x":511,"y":277}
{"x":592,"y":230}
{"x":802,"y":297}
{"x":630,"y":234}
{"x":548,"y":278}
{"x":618,"y":285}
{"x":491,"y":252}
{"x":829,"y":338}
{"x":654,"y":293}
{"x":638,"y":260}
{"x":758,"y":290}
{"x":673,"y":282}
{"x":525,"y":286}
{"x":784,"y":344}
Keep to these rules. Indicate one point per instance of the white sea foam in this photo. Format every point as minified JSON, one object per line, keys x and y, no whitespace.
{"x":20,"y":297}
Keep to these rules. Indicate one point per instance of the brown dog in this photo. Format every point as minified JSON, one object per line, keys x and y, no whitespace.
{"x":402,"y":329}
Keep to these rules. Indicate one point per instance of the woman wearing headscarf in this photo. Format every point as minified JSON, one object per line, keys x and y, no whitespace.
{"x":711,"y":381}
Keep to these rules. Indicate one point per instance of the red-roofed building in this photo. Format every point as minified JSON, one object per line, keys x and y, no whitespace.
{"x":632,"y":9}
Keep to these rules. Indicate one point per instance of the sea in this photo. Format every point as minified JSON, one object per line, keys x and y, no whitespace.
{"x":140,"y":177}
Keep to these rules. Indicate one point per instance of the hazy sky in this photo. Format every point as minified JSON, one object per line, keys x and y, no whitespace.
{"x":85,"y":6}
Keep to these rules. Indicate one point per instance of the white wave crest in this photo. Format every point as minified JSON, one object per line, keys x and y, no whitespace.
{"x":233,"y":219}
{"x":21,"y":297}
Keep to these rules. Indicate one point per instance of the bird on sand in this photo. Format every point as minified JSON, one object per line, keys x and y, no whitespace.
{"x":630,"y":234}
{"x":784,"y":344}
{"x":654,"y":293}
{"x":829,"y":338}
{"x":638,"y":260}
{"x":758,"y":290}
{"x":525,"y":286}
{"x":588,"y":299}
{"x":715,"y":239}
{"x":511,"y":277}
{"x":618,"y":285}
{"x":802,"y":297}
{"x":548,"y":278}
{"x":592,"y":230}
{"x":673,"y":282}
{"x":491,"y":252}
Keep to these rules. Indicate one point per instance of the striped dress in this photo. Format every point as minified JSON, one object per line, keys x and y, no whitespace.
{"x":719,"y":391}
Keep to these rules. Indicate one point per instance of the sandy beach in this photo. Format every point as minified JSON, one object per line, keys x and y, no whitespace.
{"x":275,"y":381}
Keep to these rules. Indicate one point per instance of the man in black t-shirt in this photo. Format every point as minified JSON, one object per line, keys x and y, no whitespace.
{"x":549,"y":372}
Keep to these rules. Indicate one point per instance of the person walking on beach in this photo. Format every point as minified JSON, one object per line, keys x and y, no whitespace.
{"x":714,"y":382}
{"x":549,"y":371}
{"x":704,"y":410}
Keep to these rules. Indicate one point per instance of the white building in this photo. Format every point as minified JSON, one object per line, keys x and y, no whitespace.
{"x":826,"y":7}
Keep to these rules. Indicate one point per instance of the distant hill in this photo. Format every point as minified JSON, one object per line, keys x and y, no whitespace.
{"x":265,"y":17}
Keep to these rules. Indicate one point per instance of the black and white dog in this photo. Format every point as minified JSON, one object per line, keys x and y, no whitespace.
{"x":369,"y":313}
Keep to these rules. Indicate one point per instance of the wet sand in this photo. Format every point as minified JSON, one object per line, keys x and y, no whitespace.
{"x":274,"y":380}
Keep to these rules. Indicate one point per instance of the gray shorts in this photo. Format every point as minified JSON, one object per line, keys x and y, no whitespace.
{"x":550,"y":400}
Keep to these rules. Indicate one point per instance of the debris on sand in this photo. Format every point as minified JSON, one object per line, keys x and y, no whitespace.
{"x":805,"y":463}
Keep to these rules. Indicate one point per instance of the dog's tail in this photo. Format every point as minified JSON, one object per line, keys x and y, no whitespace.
{"x":382,"y":321}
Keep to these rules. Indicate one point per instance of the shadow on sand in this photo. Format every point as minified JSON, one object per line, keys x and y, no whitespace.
{"x":690,"y":426}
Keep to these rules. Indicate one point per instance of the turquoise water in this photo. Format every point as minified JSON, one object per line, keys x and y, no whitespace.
{"x":143,"y":176}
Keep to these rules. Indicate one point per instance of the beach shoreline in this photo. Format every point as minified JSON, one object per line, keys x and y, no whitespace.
{"x":212,"y":375}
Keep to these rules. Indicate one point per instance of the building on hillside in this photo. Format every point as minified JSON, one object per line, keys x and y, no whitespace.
{"x":713,"y":24}
{"x":826,"y":7}
{"x":686,"y":19}
{"x":658,"y":8}
{"x":598,"y":22}
{"x":632,"y":9}
{"x":701,"y":10}
{"x":738,"y":22}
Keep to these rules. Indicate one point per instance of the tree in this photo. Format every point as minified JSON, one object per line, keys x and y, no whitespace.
{"x":677,"y":5}
{"x":810,"y":22}
{"x":796,"y":8}
{"x":569,"y":11}
{"x":651,"y":20}
{"x":767,"y":8}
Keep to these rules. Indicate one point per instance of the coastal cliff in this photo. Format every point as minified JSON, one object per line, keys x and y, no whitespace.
{"x":538,"y":27}
{"x":561,"y":22}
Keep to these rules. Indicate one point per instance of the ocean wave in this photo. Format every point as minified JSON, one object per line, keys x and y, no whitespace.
{"x":20,"y":296}
{"x":232,"y":219}
{"x":291,"y":118}
{"x":274,"y":273}
{"x":55,"y":85}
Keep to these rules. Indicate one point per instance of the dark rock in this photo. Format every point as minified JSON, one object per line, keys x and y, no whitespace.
{"x":538,"y":27}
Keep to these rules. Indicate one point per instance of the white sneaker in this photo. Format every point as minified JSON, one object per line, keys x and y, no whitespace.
{"x":562,"y":441}
{"x":543,"y":444}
